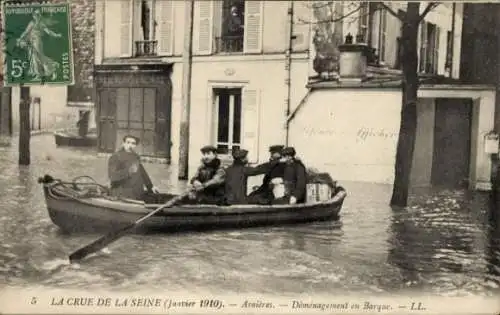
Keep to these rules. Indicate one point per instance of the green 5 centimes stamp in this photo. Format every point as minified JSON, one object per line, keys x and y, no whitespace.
{"x":37,"y":44}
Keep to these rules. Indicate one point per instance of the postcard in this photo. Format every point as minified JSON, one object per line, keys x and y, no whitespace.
{"x":249,"y":157}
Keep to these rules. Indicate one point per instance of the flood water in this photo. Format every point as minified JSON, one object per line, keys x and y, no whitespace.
{"x":444,"y":243}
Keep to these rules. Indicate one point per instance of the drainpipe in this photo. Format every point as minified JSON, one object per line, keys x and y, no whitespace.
{"x":187,"y":56}
{"x":288,"y":68}
{"x":452,"y":44}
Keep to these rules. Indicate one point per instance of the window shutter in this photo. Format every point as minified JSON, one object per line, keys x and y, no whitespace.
{"x":126,"y":28}
{"x":203,"y":27}
{"x":435,"y":61}
{"x":392,"y":35}
{"x":136,"y":16}
{"x":250,"y":123}
{"x":99,"y":30}
{"x":165,"y":19}
{"x":217,"y":18}
{"x":423,"y":46}
{"x":301,"y":30}
{"x":253,"y":27}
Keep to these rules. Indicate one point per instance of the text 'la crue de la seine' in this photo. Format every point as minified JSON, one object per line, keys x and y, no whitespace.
{"x":214,"y":304}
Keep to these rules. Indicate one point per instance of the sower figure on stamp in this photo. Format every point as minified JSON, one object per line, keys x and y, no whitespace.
{"x":208,"y":182}
{"x":128,"y":177}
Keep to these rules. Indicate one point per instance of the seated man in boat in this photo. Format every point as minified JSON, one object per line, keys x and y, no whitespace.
{"x":126,"y":172}
{"x":236,"y":177}
{"x":273,"y":169}
{"x":294,"y":179}
{"x":208,"y":182}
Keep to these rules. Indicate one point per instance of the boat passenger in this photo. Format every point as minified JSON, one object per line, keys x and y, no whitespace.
{"x":273,"y":169}
{"x":128,"y":176}
{"x":208,"y":182}
{"x":294,"y":177}
{"x":236,"y":177}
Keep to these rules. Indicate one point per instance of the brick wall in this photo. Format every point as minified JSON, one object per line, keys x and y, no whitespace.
{"x":83,"y":21}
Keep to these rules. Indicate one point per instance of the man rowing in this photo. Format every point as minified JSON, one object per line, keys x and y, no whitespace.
{"x":208,"y":182}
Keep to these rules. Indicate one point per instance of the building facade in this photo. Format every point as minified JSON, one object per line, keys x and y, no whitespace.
{"x":239,"y":72}
{"x":358,"y":118}
{"x":262,"y":75}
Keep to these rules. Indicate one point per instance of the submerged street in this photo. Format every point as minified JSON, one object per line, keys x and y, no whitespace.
{"x":444,"y":243}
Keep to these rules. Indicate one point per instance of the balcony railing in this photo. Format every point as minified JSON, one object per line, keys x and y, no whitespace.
{"x":145,"y":48}
{"x":229,"y":44}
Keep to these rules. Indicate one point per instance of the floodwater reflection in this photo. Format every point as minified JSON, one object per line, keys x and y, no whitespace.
{"x":445,"y":242}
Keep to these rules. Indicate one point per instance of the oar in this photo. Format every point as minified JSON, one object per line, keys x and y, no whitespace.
{"x":111,"y":237}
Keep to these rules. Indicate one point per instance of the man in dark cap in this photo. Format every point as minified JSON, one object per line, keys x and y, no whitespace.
{"x":273,"y":169}
{"x":126,"y":172}
{"x":237,"y":175}
{"x":208,"y":182}
{"x":294,"y":177}
{"x":236,"y":179}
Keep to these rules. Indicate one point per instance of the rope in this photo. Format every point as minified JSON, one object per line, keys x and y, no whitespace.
{"x":71,"y":190}
{"x":74,"y":189}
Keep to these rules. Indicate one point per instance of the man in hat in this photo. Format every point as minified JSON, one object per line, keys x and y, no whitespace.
{"x":126,"y":172}
{"x":237,"y":175}
{"x":294,"y":178}
{"x":235,"y":189}
{"x":273,"y":169}
{"x":208,"y":182}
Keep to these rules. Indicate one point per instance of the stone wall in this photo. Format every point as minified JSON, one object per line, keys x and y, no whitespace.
{"x":83,"y":21}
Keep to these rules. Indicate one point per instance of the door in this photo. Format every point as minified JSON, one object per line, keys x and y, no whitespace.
{"x":144,"y":112}
{"x":139,"y":105}
{"x":451,"y":156}
{"x":106,"y":100}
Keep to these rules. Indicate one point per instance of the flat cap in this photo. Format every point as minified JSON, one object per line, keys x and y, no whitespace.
{"x":208,"y":148}
{"x":276,"y":148}
{"x":240,"y":154}
{"x":288,"y":151}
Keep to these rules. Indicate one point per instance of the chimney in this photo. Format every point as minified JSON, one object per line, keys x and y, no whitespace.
{"x":352,"y":61}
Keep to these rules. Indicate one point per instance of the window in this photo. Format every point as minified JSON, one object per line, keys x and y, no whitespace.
{"x":232,"y":27}
{"x":144,"y":17}
{"x":429,"y":48}
{"x":363,"y":23}
{"x":372,"y":30}
{"x":227,"y":114}
{"x":366,"y":23}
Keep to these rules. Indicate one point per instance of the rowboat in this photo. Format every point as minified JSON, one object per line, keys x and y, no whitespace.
{"x":73,"y":214}
{"x":71,"y":139}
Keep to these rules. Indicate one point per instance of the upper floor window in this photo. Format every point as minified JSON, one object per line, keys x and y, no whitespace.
{"x":232,"y":26}
{"x":228,"y":26}
{"x":373,"y":30}
{"x":145,"y":43}
{"x":136,"y":27}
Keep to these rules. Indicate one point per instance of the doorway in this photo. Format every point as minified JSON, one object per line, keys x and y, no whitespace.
{"x":452,"y":137}
{"x":138,"y":104}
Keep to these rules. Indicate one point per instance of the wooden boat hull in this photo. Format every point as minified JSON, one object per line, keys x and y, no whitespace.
{"x":103,"y":215}
{"x":72,"y":140}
